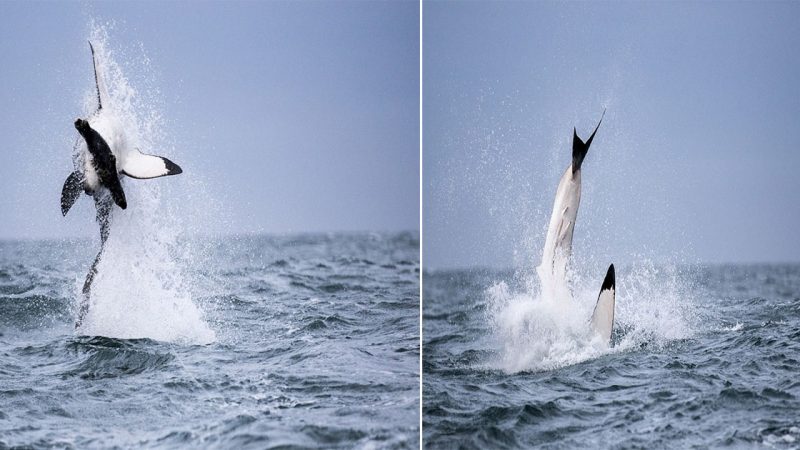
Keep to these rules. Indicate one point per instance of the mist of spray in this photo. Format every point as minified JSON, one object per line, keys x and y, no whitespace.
{"x":533,"y":329}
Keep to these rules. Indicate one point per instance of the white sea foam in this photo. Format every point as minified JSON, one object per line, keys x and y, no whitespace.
{"x":141,"y":289}
{"x":537,"y":330}
{"x":738,"y":326}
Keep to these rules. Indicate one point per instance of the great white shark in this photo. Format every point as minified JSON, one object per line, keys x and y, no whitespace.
{"x":557,"y":252}
{"x":100,"y":161}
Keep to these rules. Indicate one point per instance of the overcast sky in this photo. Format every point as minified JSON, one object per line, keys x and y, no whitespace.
{"x":290,"y":116}
{"x":696,"y":159}
{"x":304,"y":117}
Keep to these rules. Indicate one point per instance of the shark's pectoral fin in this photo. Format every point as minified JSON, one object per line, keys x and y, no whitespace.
{"x":73,"y":186}
{"x":563,"y":233}
{"x":142,"y":166}
{"x":603,"y":315}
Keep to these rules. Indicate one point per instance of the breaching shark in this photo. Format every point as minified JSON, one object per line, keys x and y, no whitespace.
{"x":100,"y":161}
{"x":558,"y":244}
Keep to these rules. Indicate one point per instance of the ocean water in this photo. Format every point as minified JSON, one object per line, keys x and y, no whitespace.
{"x":702,"y":356}
{"x":239,"y":342}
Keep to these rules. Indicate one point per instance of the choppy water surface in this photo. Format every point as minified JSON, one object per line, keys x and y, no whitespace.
{"x":703,"y":356}
{"x":257,"y":342}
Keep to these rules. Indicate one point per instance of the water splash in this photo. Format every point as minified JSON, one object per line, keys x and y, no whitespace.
{"x":536,"y":328}
{"x":141,"y":289}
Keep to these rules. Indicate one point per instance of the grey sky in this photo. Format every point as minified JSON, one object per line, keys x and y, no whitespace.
{"x":300,"y":116}
{"x":696,"y":159}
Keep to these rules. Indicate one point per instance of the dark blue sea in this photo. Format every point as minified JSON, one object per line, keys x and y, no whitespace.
{"x":240,"y":342}
{"x":702,"y":357}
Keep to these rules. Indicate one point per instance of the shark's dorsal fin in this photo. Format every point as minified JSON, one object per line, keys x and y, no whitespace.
{"x":102,"y":94}
{"x":602,"y":321}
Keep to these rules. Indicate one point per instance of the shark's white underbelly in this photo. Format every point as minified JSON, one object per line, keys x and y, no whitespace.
{"x":109,"y":127}
{"x":558,"y":245}
{"x":90,"y":179}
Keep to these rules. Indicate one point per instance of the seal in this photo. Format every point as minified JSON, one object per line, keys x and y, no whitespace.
{"x":103,"y":162}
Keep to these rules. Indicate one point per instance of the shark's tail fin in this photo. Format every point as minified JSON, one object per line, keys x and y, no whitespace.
{"x":580,"y":148}
{"x":102,"y":94}
{"x":603,"y":315}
